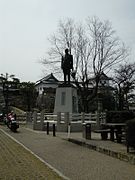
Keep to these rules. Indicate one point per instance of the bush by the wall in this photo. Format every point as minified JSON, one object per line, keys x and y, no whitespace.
{"x":119,"y":116}
{"x":130,"y":134}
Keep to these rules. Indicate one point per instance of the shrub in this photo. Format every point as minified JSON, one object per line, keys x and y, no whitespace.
{"x":130,"y":133}
{"x":119,"y":116}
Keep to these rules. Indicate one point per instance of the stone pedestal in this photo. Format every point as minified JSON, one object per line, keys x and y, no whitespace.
{"x":66,"y":100}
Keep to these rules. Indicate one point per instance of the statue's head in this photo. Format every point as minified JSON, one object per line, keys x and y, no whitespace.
{"x":66,"y":51}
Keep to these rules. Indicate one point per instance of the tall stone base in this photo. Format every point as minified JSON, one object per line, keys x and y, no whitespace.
{"x":66,"y":100}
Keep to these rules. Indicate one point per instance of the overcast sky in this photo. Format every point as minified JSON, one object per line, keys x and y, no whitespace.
{"x":25,"y":26}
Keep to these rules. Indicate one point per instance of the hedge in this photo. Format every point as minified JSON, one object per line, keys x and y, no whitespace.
{"x":119,"y":116}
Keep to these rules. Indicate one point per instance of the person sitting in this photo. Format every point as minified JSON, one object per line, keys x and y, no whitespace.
{"x":10,"y":117}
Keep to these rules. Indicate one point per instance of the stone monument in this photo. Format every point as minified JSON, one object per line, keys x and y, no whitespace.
{"x":66,"y":99}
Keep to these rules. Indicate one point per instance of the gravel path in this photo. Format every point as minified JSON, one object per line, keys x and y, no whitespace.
{"x":75,"y":162}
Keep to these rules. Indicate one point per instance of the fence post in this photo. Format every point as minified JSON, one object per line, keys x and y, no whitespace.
{"x":66,"y":119}
{"x":102,"y":118}
{"x":83,"y":117}
{"x":42,"y":119}
{"x":34,"y":119}
{"x":58,"y":121}
{"x":98,"y":119}
{"x":28,"y":117}
{"x":58,"y":117}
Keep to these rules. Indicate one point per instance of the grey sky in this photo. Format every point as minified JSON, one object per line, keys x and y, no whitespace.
{"x":25,"y":26}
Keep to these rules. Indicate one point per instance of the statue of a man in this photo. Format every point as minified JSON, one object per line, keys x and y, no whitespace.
{"x":67,"y":65}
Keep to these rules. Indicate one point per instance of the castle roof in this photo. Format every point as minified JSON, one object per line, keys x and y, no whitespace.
{"x":49,"y":79}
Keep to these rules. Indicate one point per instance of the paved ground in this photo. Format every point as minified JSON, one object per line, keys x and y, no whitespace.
{"x":75,"y":162}
{"x":17,"y":163}
{"x":114,"y":149}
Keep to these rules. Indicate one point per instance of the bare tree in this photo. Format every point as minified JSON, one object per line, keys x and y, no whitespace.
{"x":95,"y":49}
{"x":125,"y":81}
{"x":59,"y":41}
{"x":107,"y":49}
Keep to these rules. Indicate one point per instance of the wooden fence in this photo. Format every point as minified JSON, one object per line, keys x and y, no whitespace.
{"x":64,"y":119}
{"x":60,"y":117}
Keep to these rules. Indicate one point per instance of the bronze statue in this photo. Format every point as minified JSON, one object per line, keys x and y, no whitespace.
{"x":67,"y":65}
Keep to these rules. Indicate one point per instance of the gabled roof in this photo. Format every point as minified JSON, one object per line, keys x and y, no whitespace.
{"x":103,"y":76}
{"x":48,"y":79}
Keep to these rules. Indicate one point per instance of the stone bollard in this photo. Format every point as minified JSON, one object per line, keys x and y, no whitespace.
{"x":47,"y":128}
{"x":88,"y":131}
{"x":54,"y":130}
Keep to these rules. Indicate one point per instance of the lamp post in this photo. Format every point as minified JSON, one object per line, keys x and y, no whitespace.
{"x":99,"y":98}
{"x":6,"y":90}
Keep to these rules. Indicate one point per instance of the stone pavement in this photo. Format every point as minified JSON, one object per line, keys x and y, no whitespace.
{"x":75,"y":162}
{"x":113,"y":149}
{"x":16,"y":163}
